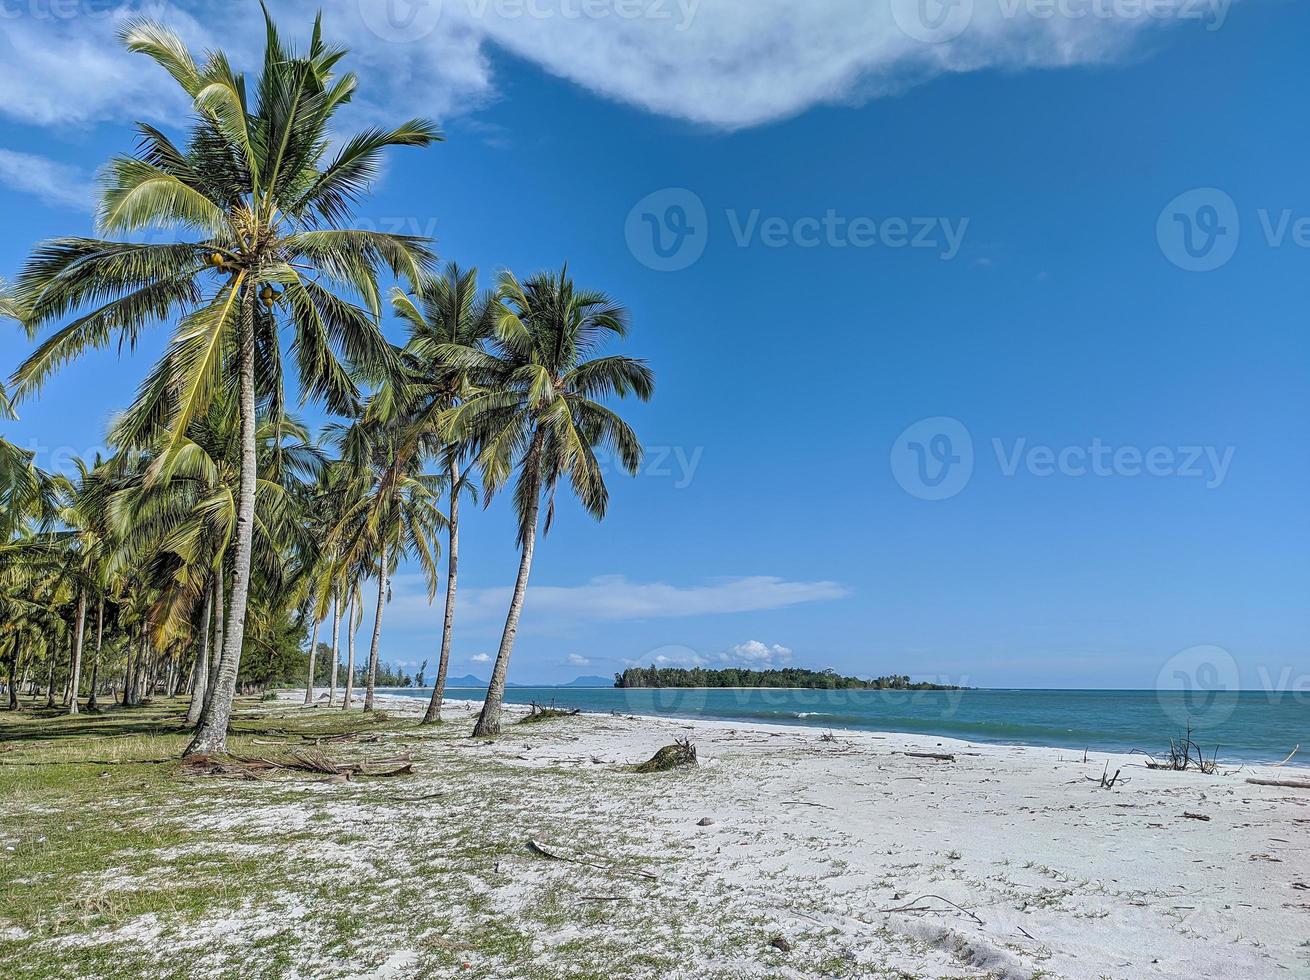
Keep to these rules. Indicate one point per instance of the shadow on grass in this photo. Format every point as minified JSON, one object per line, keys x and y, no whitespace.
{"x":41,"y":724}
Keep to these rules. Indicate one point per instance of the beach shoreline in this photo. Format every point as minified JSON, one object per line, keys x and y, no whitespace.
{"x":1034,"y":865}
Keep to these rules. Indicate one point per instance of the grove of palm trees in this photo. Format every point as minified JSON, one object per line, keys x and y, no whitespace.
{"x":222,"y":534}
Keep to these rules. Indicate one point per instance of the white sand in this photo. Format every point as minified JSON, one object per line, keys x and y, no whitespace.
{"x":1061,"y":877}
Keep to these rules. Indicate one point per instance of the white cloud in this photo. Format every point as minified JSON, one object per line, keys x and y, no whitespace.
{"x":480,"y":658}
{"x":575,"y":660}
{"x":720,"y":63}
{"x":54,"y":183}
{"x":754,"y":652}
{"x":617,"y":598}
{"x":606,"y":599}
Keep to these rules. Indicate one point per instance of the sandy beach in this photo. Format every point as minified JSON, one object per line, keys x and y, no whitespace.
{"x":542,"y":854}
{"x":834,"y":847}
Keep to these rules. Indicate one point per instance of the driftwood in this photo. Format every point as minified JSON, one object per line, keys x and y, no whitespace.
{"x":545,"y":712}
{"x":539,"y":848}
{"x":1285,"y":783}
{"x":1107,"y":781}
{"x":1196,"y":816}
{"x":680,"y":753}
{"x":1184,"y":754}
{"x":939,"y":756}
{"x":1289,"y":757}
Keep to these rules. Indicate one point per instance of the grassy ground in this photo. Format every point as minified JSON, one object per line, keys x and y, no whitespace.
{"x":118,"y":862}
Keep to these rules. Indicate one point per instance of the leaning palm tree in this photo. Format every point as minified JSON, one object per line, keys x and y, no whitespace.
{"x":262,"y":208}
{"x":448,"y":319}
{"x":543,"y":420}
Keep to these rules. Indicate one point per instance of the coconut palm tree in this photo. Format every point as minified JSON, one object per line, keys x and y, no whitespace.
{"x":448,"y":318}
{"x":262,"y":207}
{"x":392,"y":510}
{"x":183,"y":527}
{"x":543,"y":420}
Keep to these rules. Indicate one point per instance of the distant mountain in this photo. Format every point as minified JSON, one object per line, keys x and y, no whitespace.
{"x":592,"y":681}
{"x":468,"y":680}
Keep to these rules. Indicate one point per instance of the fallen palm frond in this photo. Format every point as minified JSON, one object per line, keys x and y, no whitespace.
{"x":680,"y":753}
{"x":255,"y":767}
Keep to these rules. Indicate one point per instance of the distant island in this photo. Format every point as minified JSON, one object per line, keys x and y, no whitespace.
{"x":779,"y":677}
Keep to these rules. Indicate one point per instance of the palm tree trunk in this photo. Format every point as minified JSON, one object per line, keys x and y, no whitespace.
{"x":433,"y":714}
{"x":350,"y":654}
{"x":197,"y":706}
{"x":313,"y":649}
{"x":216,"y":648}
{"x":336,"y":628}
{"x":377,"y":627}
{"x":13,"y":680}
{"x":211,"y":737}
{"x":50,"y":685}
{"x":77,"y":652}
{"x":91,"y":703}
{"x":489,"y":718}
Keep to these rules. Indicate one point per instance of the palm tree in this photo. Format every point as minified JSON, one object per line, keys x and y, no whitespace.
{"x":542,"y":419}
{"x":448,"y":319}
{"x":90,"y":543}
{"x":266,"y":208}
{"x":183,"y":528}
{"x":392,"y":510}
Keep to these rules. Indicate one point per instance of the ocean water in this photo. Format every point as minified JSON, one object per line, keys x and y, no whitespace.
{"x":1245,"y":726}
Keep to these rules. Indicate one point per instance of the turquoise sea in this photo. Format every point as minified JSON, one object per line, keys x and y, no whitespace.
{"x":1246,"y":726}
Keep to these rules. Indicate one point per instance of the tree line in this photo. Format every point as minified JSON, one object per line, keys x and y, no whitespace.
{"x":220,"y":533}
{"x":797,"y":677}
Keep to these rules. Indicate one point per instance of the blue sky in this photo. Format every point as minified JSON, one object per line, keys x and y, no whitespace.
{"x":984,"y":356}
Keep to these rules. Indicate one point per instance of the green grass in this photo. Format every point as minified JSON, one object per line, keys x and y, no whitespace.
{"x":125,"y":864}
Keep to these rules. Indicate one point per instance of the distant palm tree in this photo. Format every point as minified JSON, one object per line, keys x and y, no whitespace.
{"x":254,"y":186}
{"x":542,"y":419}
{"x":448,"y":319}
{"x":392,"y":509}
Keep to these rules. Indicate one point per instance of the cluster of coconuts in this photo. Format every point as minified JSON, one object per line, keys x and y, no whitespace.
{"x":268,"y":294}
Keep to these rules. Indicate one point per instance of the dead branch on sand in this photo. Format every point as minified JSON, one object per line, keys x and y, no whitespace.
{"x":539,"y":848}
{"x":1107,"y":781}
{"x":912,"y":907}
{"x":1184,"y":755}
